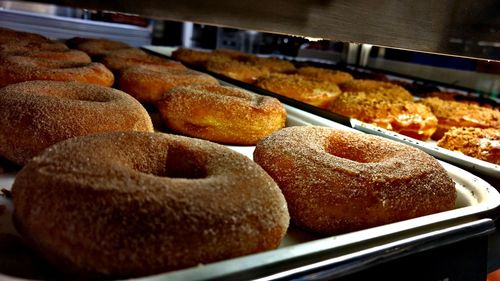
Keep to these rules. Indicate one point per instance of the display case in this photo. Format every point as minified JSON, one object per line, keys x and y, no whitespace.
{"x":456,"y":245}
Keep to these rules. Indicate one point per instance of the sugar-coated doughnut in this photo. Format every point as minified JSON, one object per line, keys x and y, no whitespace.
{"x":37,"y":114}
{"x":480,"y":143}
{"x":458,"y":114}
{"x":118,"y":60}
{"x":129,"y":204}
{"x":148,"y":83}
{"x":323,"y":74}
{"x":337,"y":181}
{"x":14,"y":69}
{"x":310,"y":91}
{"x":405,"y":117}
{"x":221,"y":113}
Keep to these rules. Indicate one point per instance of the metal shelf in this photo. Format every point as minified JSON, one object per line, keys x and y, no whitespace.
{"x":461,"y":27}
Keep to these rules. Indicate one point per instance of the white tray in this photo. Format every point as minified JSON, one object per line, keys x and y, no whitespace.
{"x":474,"y":201}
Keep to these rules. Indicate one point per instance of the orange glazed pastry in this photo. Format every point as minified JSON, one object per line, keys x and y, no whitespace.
{"x":405,"y":117}
{"x":480,"y":143}
{"x":459,"y":114}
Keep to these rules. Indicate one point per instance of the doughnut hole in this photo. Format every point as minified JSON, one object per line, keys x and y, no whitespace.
{"x":340,"y":146}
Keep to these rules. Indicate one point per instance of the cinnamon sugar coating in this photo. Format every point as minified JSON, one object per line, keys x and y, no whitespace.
{"x":15,"y":69}
{"x":37,"y":114}
{"x":118,"y":60}
{"x":337,"y":181}
{"x":148,"y":83}
{"x":130,"y":204}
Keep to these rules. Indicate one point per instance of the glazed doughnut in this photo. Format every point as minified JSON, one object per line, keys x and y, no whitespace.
{"x":96,"y":47}
{"x":120,"y":59}
{"x":241,"y":71}
{"x":148,"y":83}
{"x":313,"y":92}
{"x":389,"y":90}
{"x":190,"y":56}
{"x":480,"y":143}
{"x":14,"y":69}
{"x":221,"y":114}
{"x":38,"y":114}
{"x":273,"y":64}
{"x":335,"y":181}
{"x":405,"y":117}
{"x":129,"y":204}
{"x":459,"y":114}
{"x":330,"y":75}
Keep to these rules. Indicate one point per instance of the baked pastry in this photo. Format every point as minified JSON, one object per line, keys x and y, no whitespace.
{"x":128,"y":204}
{"x":222,"y":114}
{"x":323,"y":74}
{"x":15,"y":69}
{"x":405,"y":117}
{"x":480,"y":143}
{"x":458,"y":114}
{"x":38,"y":114}
{"x":386,"y":90}
{"x":313,"y":92}
{"x":335,"y":181}
{"x":148,"y":83}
